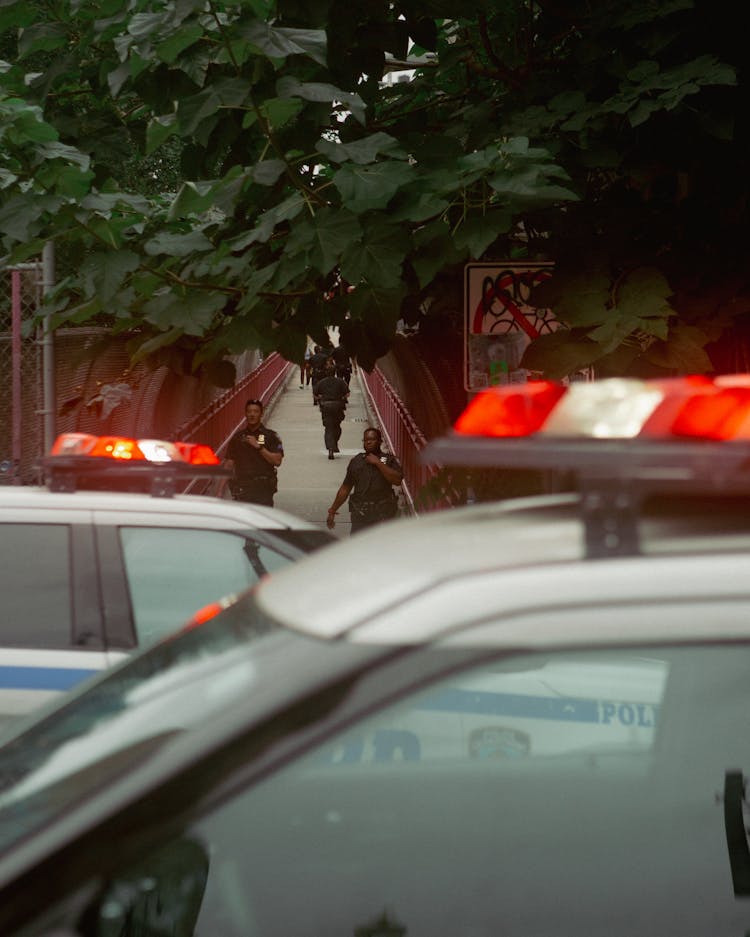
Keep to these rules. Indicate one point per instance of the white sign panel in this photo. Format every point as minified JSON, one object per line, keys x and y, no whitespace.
{"x":499,"y":323}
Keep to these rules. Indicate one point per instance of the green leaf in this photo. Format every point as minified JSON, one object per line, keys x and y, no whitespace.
{"x":361,"y":151}
{"x":194,"y":198}
{"x":559,"y":354}
{"x":266,"y":224}
{"x":267,"y":171}
{"x":83,"y":312}
{"x":435,"y":250}
{"x":324,"y":237}
{"x":377,"y":259}
{"x":178,"y":41}
{"x":68,"y":181}
{"x":160,"y":129}
{"x":477,"y":232}
{"x":117,"y":78}
{"x":42,"y":37}
{"x":240,"y":334}
{"x":364,"y":188}
{"x":415,"y":206}
{"x":178,"y":245}
{"x":578,"y":300}
{"x":109,"y":230}
{"x":146,"y":25}
{"x":29,"y":124}
{"x":289,"y":87}
{"x":277,"y":111}
{"x":193,"y":313}
{"x":684,"y":353}
{"x":566,"y":103}
{"x":645,"y":293}
{"x":105,"y":271}
{"x":18,"y":216}
{"x":613,"y":332}
{"x":278,"y":43}
{"x":149,"y":346}
{"x":55,"y":150}
{"x":193,"y":110}
{"x":642,"y":111}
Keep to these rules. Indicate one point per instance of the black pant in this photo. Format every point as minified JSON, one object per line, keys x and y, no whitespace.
{"x":253,"y":492}
{"x":332,"y":413}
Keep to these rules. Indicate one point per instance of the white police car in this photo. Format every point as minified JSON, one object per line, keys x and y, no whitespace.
{"x":517,"y":718}
{"x":88,"y":575}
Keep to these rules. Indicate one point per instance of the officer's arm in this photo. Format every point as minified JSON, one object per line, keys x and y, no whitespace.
{"x":273,"y":458}
{"x":341,"y":495}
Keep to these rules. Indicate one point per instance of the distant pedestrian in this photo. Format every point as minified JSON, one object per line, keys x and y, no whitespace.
{"x":368,"y":483}
{"x":331,"y":395}
{"x":254,"y":453}
{"x":343,"y":363}
{"x":317,"y":367}
{"x":304,"y":369}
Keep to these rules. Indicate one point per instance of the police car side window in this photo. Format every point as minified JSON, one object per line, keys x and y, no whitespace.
{"x":35,"y":585}
{"x":565,"y":706}
{"x":173,"y":572}
{"x":572,"y":794}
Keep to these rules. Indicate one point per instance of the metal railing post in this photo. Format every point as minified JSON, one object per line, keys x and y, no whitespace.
{"x":49,"y":404}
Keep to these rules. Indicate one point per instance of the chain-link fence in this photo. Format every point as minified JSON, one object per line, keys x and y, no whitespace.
{"x":21,"y":420}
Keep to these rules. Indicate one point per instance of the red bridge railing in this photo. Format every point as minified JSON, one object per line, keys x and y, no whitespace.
{"x":215,"y":423}
{"x":403,"y":436}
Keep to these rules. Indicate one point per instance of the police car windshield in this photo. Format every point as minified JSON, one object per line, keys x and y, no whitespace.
{"x":127,"y":715}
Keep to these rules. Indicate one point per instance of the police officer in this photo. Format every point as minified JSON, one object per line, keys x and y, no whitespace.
{"x":343,"y":363}
{"x":370,"y":477}
{"x":254,"y":453}
{"x":317,"y":367}
{"x":331,"y":395}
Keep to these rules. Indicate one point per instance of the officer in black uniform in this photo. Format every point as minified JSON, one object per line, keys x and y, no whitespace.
{"x":317,"y":368}
{"x":343,"y":363}
{"x":254,"y":453}
{"x":370,"y":477}
{"x":331,"y":395}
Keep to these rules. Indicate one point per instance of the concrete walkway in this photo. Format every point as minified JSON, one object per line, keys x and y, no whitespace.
{"x":308,"y":480}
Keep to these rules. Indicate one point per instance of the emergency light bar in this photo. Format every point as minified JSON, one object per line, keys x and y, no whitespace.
{"x":618,"y":441}
{"x":83,"y":460}
{"x":683,"y":428}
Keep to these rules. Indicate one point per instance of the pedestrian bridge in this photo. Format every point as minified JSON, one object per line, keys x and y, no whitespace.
{"x":307,"y":479}
{"x":413,"y":394}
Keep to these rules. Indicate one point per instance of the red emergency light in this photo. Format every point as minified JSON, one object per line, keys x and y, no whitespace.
{"x":696,"y":407}
{"x":125,"y":449}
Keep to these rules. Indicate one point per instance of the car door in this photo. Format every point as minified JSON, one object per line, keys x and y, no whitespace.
{"x":50,"y":624}
{"x":456,"y":791}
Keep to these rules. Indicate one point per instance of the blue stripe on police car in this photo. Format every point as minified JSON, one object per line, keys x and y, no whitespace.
{"x":42,"y":678}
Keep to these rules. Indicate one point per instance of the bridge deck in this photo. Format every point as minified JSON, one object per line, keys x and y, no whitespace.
{"x":308,"y":480}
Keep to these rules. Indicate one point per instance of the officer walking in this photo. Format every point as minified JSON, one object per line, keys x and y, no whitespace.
{"x":253,"y":454}
{"x":331,"y":395}
{"x":369,"y":480}
{"x":317,"y":367}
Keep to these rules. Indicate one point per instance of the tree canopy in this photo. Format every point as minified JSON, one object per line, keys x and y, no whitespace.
{"x":218,"y":174}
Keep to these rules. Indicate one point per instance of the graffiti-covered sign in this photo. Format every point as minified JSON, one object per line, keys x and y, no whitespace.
{"x":500,"y":322}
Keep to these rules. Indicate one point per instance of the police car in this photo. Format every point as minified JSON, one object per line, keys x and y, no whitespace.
{"x":88,"y":575}
{"x":524,"y":717}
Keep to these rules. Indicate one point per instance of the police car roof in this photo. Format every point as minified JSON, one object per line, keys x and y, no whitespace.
{"x":415,"y":579}
{"x":22,"y":497}
{"x":662,"y":470}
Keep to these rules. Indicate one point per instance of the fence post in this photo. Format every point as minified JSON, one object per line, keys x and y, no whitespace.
{"x":15,"y":376}
{"x":49,"y":403}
